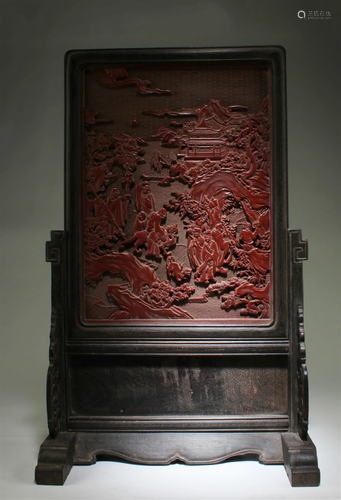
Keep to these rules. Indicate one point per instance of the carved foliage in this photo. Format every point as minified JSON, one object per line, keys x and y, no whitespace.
{"x":221,"y":205}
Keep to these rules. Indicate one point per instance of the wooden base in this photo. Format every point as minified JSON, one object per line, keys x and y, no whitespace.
{"x":300,"y":460}
{"x":58,"y":455}
{"x":55,"y":459}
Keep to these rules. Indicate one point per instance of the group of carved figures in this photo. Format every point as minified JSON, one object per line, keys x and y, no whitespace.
{"x":225,"y":214}
{"x":215,"y":246}
{"x":147,"y":228}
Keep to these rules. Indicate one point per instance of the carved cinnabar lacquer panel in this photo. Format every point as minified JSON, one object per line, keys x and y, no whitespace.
{"x":177,"y":200}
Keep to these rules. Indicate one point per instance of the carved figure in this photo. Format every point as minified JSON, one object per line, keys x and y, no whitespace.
{"x":207,"y":269}
{"x":144,"y":198}
{"x":195,"y":247}
{"x":118,"y":205}
{"x":140,"y":222}
{"x":128,"y":180}
{"x":177,"y":270}
{"x":159,"y":160}
{"x":181,"y":172}
{"x":162,"y":240}
{"x":154,"y":220}
{"x":247,"y":236}
{"x":223,"y":246}
{"x":150,"y":232}
{"x":139,"y":239}
{"x":214,"y":209}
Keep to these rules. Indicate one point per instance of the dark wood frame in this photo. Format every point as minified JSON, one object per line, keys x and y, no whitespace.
{"x":274,"y":438}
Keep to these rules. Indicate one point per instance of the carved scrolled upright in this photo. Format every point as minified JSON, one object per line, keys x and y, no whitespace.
{"x":54,"y":251}
{"x":299,"y":452}
{"x":56,"y":453}
{"x":298,"y":254}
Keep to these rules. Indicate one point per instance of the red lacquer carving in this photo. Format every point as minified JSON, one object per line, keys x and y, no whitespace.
{"x":133,"y":307}
{"x":90,"y":118}
{"x":118,"y":77}
{"x":177,"y":270}
{"x":214,"y":112}
{"x":156,"y":241}
{"x":255,"y":299}
{"x":135,"y":273}
{"x":151,"y":256}
{"x":144,"y":199}
{"x":142,"y":296}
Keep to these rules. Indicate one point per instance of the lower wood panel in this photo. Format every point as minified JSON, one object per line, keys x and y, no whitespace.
{"x":107,"y":391}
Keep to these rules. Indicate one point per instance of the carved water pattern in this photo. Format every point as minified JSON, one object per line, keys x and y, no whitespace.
{"x":177,"y":222}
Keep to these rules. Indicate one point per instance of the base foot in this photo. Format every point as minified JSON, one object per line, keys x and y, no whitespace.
{"x":300,"y":460}
{"x":55,"y":459}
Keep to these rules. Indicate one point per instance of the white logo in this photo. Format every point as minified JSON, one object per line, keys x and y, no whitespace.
{"x":314,"y":15}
